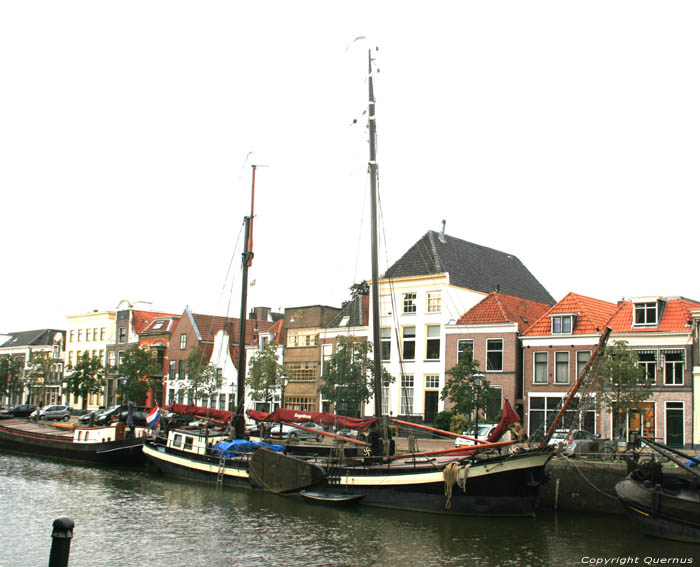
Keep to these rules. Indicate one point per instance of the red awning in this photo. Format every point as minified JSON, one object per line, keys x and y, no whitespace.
{"x":198,"y":411}
{"x":323,"y":418}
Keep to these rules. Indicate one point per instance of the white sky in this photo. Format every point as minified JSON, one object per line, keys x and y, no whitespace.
{"x":565,"y":133}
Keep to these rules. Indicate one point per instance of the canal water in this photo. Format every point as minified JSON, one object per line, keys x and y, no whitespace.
{"x":135,"y":518}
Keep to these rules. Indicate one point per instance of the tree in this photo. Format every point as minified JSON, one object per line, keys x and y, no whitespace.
{"x":265,"y":372}
{"x":461,"y":389}
{"x":85,"y":378}
{"x":38,"y":374}
{"x":619,"y":382}
{"x":11,"y":379}
{"x":349,"y":376}
{"x":138,"y":367}
{"x":357,"y":290}
{"x":203,"y":379}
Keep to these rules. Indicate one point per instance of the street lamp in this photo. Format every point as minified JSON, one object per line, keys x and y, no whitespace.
{"x":283,"y":385}
{"x":478,"y":382}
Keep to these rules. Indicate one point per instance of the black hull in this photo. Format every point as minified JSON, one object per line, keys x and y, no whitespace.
{"x":500,"y":487}
{"x":124,"y":453}
{"x":670,"y":510}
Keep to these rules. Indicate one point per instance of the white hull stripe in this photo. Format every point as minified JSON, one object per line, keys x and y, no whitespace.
{"x":195,"y":465}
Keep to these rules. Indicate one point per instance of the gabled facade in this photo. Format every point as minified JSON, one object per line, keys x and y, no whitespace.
{"x":274,"y":335}
{"x":156,"y":338}
{"x":219,"y":339}
{"x":490,"y":331}
{"x":427,"y":290}
{"x":660,"y":330}
{"x":24,"y":347}
{"x":556,"y":347}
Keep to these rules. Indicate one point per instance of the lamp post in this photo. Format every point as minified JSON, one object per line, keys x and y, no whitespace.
{"x":122,"y":381}
{"x":283,"y":385}
{"x":478,"y":382}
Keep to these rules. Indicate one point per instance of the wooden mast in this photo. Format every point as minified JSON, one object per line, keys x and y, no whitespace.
{"x":246,"y":261}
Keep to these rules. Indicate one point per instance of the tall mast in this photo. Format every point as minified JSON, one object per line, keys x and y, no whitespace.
{"x":246,"y":262}
{"x":375,"y":243}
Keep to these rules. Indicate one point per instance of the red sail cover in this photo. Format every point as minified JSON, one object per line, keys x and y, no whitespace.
{"x":509,"y":416}
{"x":323,"y":418}
{"x":184,"y":409}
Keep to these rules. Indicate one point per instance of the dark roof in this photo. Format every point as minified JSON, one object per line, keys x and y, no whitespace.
{"x":40,"y":337}
{"x":357,"y":309}
{"x":469,"y":266}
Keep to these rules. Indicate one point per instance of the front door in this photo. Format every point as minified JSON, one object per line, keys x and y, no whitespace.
{"x":674,"y":424}
{"x":431,"y":405}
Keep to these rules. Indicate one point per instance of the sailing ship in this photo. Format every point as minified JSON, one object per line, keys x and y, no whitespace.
{"x":113,"y":445}
{"x":662,"y":504}
{"x":481,"y":481}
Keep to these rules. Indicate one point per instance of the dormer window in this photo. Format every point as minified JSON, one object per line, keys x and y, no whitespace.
{"x":344,"y":321}
{"x":562,"y":324}
{"x":646,"y":313}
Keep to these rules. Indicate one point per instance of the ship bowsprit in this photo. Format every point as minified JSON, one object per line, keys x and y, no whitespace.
{"x":276,"y":472}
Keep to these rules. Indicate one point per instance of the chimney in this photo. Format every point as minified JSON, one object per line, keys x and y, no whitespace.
{"x":261,"y":314}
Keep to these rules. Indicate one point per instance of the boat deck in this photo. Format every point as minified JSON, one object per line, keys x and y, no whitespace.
{"x":59,"y":429}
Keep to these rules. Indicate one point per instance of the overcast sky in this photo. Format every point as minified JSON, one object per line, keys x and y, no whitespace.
{"x":567,"y":134}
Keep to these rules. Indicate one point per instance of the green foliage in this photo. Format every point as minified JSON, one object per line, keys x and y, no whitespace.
{"x":460,"y":388}
{"x":11,"y":377}
{"x":349,"y":376}
{"x":442,"y":420}
{"x":264,"y":372}
{"x":85,"y":378}
{"x":137,"y":366}
{"x":38,"y":374}
{"x":202,"y":379}
{"x":618,"y":380}
{"x":458,"y":424}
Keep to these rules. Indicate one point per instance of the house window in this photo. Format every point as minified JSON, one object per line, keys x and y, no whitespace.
{"x":172,"y":369}
{"x":433,"y":302}
{"x":409,"y":302}
{"x":111,"y":358}
{"x":562,"y":324}
{"x":122,"y":335}
{"x":540,"y":368}
{"x":121,"y":357}
{"x":303,"y":338}
{"x":645,"y":313}
{"x":386,"y":399}
{"x":180,"y":396}
{"x":302,"y":371}
{"x":299,"y":403}
{"x":222,"y":401}
{"x":72,"y":336}
{"x":432,"y":382}
{"x":406,"y":395}
{"x":582,"y":358}
{"x":465,"y":347}
{"x":80,"y":335}
{"x":542,"y":412}
{"x":181,"y":370}
{"x":561,"y":368}
{"x":432,"y":342}
{"x":409,"y":343}
{"x":88,"y":335}
{"x":102,"y":334}
{"x":647,"y":360}
{"x":344,"y":321}
{"x":386,"y":342}
{"x":183,"y":341}
{"x":494,"y":355}
{"x":674,"y":363}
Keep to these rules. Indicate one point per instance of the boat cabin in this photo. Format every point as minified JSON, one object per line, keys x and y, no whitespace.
{"x":193,"y":442}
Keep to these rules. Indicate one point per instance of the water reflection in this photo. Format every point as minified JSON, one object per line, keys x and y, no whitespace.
{"x":135,"y":518}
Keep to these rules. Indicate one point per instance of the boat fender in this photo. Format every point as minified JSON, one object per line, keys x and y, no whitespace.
{"x":453,"y":474}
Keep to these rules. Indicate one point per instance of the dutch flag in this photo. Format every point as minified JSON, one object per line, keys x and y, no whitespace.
{"x":153,"y":417}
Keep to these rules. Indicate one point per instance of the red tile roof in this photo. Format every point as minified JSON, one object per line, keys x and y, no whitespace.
{"x":209,"y":325}
{"x":141,"y":319}
{"x":675,"y":317}
{"x":592,"y":315}
{"x":498,"y":307}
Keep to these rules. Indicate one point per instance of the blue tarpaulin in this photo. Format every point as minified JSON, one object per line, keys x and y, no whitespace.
{"x":239,"y":447}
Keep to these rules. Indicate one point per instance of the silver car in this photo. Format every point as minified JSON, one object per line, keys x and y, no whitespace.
{"x":574,"y":442}
{"x":53,"y":412}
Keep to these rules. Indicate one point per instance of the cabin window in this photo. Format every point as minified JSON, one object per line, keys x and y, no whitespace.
{"x":494,"y":355}
{"x":386,"y":343}
{"x":432,"y":342}
{"x":409,"y":343}
{"x":188,"y":443}
{"x":561,"y":368}
{"x":409,"y":302}
{"x":540,"y":368}
{"x":177,"y":440}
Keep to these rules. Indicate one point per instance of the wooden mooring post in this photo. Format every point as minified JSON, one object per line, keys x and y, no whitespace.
{"x":60,"y":541}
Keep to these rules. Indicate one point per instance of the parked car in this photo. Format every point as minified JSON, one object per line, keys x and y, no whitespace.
{"x":104,"y":416}
{"x":484,"y":431}
{"x":575,"y":442}
{"x":53,"y":412}
{"x":21,"y":410}
{"x":291,"y":432}
{"x":85,"y":418}
{"x":139,"y":414}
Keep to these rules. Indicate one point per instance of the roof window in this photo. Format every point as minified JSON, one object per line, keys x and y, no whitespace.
{"x":563,"y":324}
